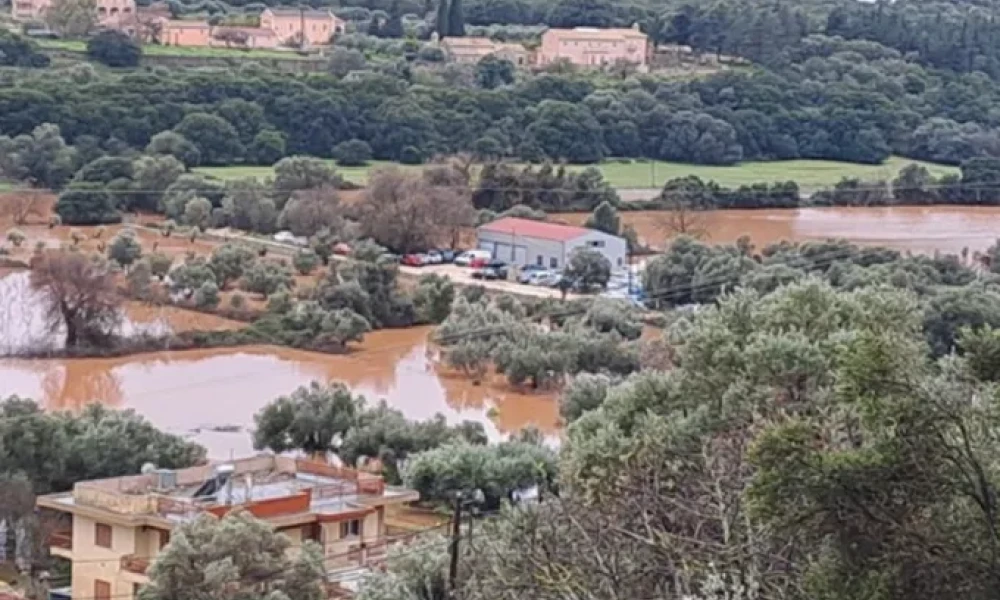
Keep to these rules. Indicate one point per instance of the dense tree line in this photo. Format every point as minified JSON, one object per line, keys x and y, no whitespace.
{"x":831,"y":99}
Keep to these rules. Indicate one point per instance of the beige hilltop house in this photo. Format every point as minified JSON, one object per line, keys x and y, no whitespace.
{"x":110,"y":13}
{"x":592,"y":47}
{"x":117,"y":526}
{"x":278,"y":27}
{"x":474,"y":49}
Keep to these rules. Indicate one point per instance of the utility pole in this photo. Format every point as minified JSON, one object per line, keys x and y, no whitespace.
{"x":456,"y":534}
{"x":628,"y":265}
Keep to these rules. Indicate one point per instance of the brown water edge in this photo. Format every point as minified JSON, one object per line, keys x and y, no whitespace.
{"x":918,"y":229}
{"x":195,"y":391}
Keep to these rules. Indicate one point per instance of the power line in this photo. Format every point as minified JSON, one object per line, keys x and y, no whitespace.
{"x":664,"y":294}
{"x":749,"y":189}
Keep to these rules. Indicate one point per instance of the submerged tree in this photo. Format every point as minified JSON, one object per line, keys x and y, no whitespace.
{"x":79,"y":294}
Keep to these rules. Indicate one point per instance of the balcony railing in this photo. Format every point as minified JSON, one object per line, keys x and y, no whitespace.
{"x":61,"y":539}
{"x":135,"y":564}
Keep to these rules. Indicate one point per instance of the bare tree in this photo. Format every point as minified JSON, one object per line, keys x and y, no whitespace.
{"x":72,"y":18}
{"x":680,"y":217}
{"x":453,"y":212}
{"x":309,"y":211}
{"x":403,"y":211}
{"x":18,"y":207}
{"x":79,"y":294}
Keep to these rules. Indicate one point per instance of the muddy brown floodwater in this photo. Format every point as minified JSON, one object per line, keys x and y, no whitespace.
{"x":200,"y":391}
{"x":919,"y":229}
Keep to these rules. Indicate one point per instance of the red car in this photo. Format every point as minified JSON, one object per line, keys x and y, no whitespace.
{"x":478,"y":263}
{"x":414,"y":260}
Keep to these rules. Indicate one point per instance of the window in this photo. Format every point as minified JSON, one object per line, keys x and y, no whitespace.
{"x":102,"y":590}
{"x":164,"y":538}
{"x":350,"y":528}
{"x":102,"y":535}
{"x":553,"y":263}
{"x":136,"y":588}
{"x":596,"y":244}
{"x":540,"y":261}
{"x":619,"y":261}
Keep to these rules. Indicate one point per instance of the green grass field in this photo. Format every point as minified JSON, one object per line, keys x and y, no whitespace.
{"x":810,"y":174}
{"x":157,"y":50}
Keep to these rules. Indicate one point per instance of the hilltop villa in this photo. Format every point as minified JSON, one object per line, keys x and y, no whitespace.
{"x":587,"y":46}
{"x":474,"y":49}
{"x":292,"y":27}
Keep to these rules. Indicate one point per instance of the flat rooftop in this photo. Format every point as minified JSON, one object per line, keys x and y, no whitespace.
{"x":270,"y":485}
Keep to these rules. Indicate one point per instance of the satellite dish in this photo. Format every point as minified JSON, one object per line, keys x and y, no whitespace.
{"x":147,"y":468}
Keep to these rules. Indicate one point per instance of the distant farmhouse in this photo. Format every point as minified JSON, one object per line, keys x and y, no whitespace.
{"x":581,"y":46}
{"x":292,"y":27}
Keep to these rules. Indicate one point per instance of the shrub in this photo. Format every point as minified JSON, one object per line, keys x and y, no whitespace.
{"x":207,"y":296}
{"x":352,"y":153}
{"x":305,"y":261}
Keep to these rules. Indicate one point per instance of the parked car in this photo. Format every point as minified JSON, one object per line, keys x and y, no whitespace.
{"x":286,"y":237}
{"x":448,"y":255}
{"x":545,"y":278}
{"x":433,"y":257}
{"x":491,"y":271}
{"x":389,"y":257}
{"x":341,"y":248}
{"x":466,"y":258}
{"x":527,"y":271}
{"x":414,"y":260}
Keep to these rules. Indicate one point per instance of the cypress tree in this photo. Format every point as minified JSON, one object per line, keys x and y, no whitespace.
{"x":456,"y":19}
{"x":442,"y":19}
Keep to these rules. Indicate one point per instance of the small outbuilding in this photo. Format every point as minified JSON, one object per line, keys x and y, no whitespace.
{"x":529,"y":242}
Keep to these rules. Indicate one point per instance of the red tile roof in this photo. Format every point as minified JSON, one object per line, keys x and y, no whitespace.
{"x":537,"y":229}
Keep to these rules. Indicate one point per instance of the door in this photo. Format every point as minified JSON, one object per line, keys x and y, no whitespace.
{"x":504,"y":252}
{"x":520,"y":255}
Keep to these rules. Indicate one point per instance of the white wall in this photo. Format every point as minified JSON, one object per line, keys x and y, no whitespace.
{"x":614,"y":248}
{"x":533,"y":248}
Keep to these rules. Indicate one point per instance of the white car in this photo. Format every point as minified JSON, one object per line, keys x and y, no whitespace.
{"x":433,"y":257}
{"x":544,"y":278}
{"x":287,"y":237}
{"x":466,"y":258}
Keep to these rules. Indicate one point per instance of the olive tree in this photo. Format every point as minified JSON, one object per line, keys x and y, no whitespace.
{"x":237,"y":555}
{"x":265,"y":278}
{"x":588,"y":268}
{"x":125,"y":249}
{"x":313,"y":419}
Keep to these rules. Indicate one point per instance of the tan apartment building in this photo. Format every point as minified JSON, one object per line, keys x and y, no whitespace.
{"x":119,"y":525}
{"x":592,"y":47}
{"x":474,"y":49}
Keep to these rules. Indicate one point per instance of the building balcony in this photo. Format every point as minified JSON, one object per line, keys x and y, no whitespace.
{"x":137,"y":565}
{"x":61,"y":543}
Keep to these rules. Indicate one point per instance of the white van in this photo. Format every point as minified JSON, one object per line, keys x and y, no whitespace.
{"x":466,"y":258}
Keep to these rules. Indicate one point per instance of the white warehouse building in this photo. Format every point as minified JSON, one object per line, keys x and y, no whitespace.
{"x":528,"y":242}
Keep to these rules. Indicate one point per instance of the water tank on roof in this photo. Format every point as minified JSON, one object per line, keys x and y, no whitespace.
{"x":165,"y":479}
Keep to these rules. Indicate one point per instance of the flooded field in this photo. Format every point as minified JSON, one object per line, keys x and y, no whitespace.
{"x":918,"y":229}
{"x":212,"y":395}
